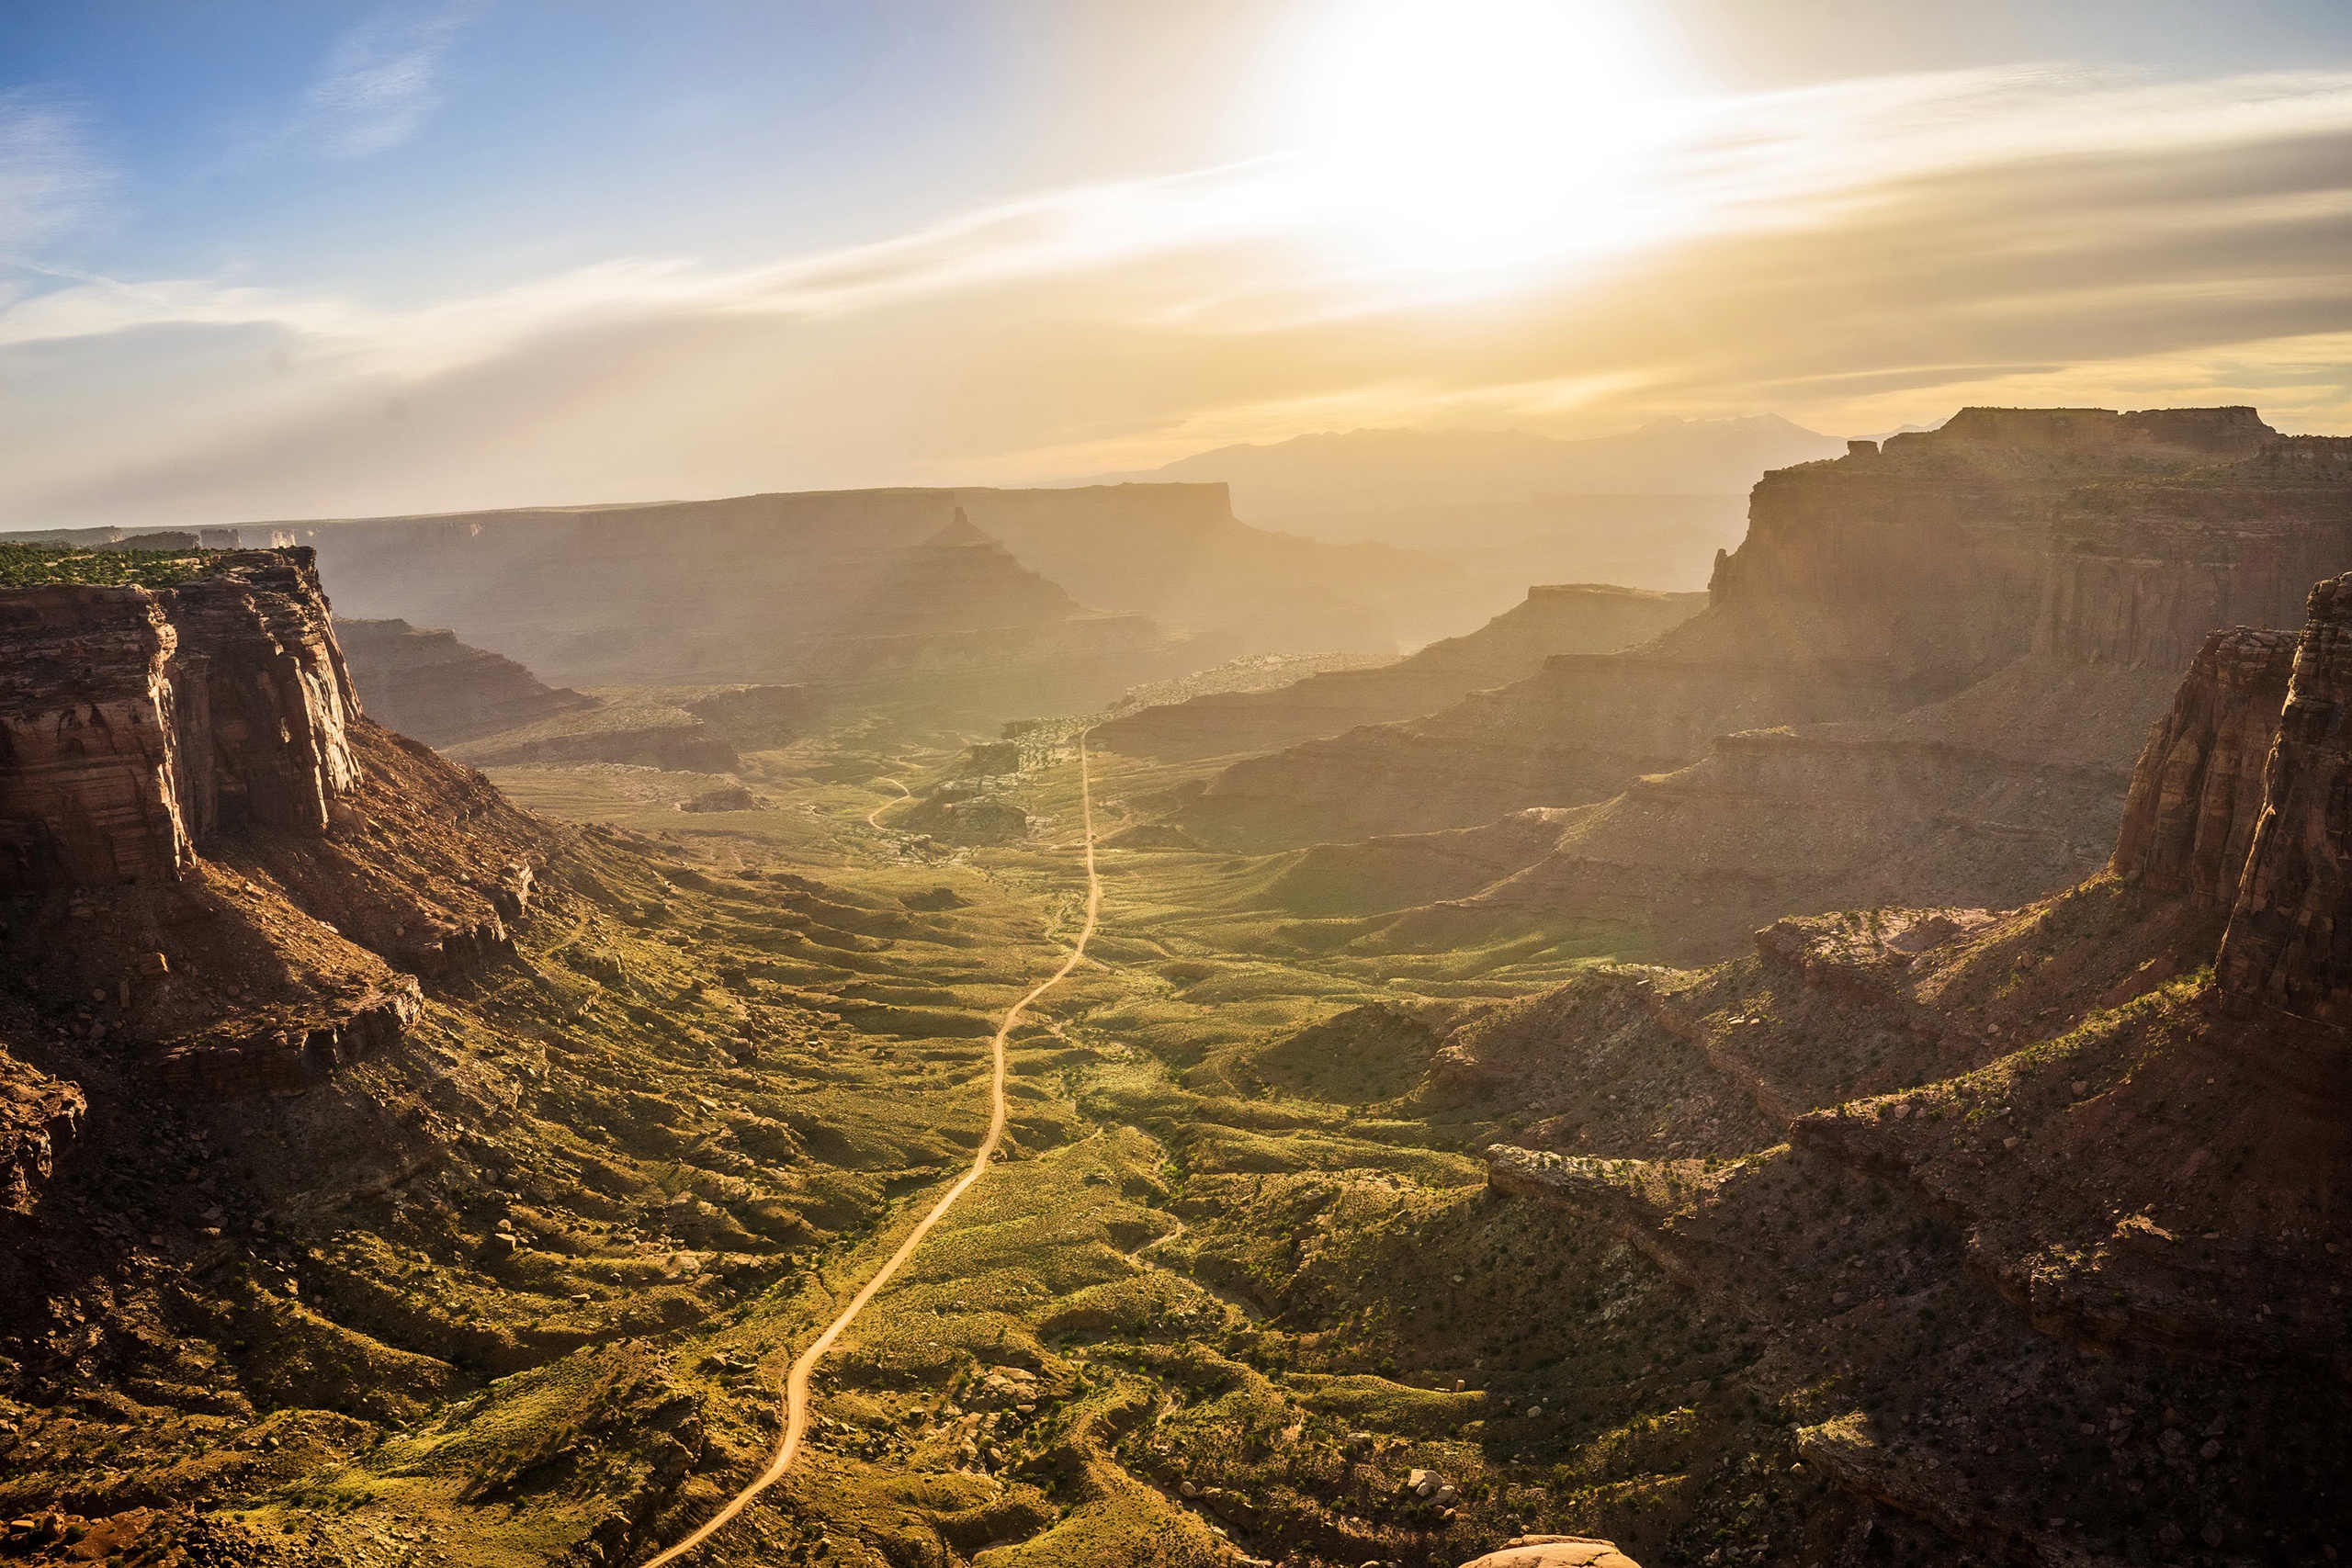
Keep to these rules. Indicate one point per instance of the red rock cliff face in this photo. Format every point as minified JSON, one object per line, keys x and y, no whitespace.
{"x":1934,"y":552}
{"x":2196,"y":795}
{"x":2141,"y":572}
{"x":92,"y":787}
{"x":137,"y":723}
{"x":2289,"y":945}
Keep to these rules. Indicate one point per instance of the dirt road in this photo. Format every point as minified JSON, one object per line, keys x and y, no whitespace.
{"x":796,"y":1382}
{"x":874,"y":817}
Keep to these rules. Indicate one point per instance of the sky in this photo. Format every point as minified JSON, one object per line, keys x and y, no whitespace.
{"x":277,"y":260}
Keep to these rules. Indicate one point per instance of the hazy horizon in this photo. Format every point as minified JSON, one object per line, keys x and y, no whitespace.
{"x":277,"y":262}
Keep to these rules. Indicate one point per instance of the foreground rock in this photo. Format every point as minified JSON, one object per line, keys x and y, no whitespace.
{"x":2051,"y":1137}
{"x":199,"y":832}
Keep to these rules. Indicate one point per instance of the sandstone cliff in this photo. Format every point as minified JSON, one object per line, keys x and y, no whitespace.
{"x":1886,"y":1134}
{"x":1563,"y":619}
{"x":2289,"y":942}
{"x":138,"y":721}
{"x":2195,"y":795}
{"x":2012,"y":594}
{"x":198,"y":830}
{"x":429,"y":685}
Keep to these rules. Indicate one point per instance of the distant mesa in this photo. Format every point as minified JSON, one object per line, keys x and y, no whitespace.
{"x":1922,"y":679}
{"x":688,"y":729}
{"x":970,"y":604}
{"x":429,"y":685}
{"x":1568,"y":618}
{"x":1647,"y":508}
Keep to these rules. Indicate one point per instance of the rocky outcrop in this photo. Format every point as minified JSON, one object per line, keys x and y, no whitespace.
{"x":37,"y":1113}
{"x":136,"y":723}
{"x":210,"y":862}
{"x":429,"y":685}
{"x":267,"y":740}
{"x":688,"y":731}
{"x":2289,"y":945}
{"x":286,"y":1057}
{"x":2195,"y":795}
{"x":2011,"y":599}
{"x":92,"y":787}
{"x":1561,"y":619}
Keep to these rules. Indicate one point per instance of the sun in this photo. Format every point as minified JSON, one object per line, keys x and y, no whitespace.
{"x":1463,"y":135}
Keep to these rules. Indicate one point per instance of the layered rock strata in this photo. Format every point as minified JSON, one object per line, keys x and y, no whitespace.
{"x":207,"y":854}
{"x":1561,"y":619}
{"x":2289,"y":940}
{"x":135,"y":722}
{"x":2081,"y":547}
{"x":2195,"y":795}
{"x":429,"y":685}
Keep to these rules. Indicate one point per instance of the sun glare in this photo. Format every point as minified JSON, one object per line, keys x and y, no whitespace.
{"x":1472,"y":135}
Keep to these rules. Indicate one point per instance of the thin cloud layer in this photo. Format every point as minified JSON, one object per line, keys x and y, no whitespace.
{"x":1856,"y":257}
{"x":380,"y":85}
{"x":48,"y":177}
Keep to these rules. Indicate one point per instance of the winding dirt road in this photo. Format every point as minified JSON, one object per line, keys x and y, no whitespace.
{"x":796,"y":1382}
{"x":874,"y":817}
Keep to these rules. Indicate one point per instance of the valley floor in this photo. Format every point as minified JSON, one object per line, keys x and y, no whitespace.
{"x":1239,"y":1275}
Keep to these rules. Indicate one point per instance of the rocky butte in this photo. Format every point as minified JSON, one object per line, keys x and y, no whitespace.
{"x":1001,"y":601}
{"x":429,"y":685}
{"x":193,"y":808}
{"x":2141,"y":1154}
{"x":1923,"y":678}
{"x":1554,"y":619}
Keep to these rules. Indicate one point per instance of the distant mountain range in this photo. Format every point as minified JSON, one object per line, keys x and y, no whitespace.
{"x":1647,"y":508}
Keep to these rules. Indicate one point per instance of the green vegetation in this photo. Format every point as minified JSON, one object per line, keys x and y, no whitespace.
{"x":42,"y":566}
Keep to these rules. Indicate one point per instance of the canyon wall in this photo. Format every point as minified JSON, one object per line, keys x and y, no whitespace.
{"x":135,"y":722}
{"x":1555,"y":619}
{"x":1111,"y":585}
{"x":2195,"y":795}
{"x":2141,"y":572}
{"x":2289,"y":945}
{"x":209,"y":859}
{"x":1870,"y":587}
{"x":429,"y":685}
{"x":2010,"y":601}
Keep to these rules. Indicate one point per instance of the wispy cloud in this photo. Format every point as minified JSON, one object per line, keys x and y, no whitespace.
{"x":1860,"y":255}
{"x":49,"y":179}
{"x":380,"y":85}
